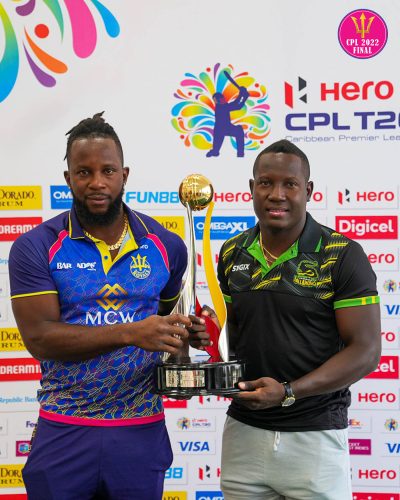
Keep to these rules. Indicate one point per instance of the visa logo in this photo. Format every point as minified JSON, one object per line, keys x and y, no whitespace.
{"x":393,"y":447}
{"x":223,"y":228}
{"x":60,"y":197}
{"x":393,"y":310}
{"x":193,"y":446}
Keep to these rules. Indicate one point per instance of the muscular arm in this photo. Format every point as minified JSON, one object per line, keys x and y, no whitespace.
{"x":46,"y":337}
{"x":359,"y":328}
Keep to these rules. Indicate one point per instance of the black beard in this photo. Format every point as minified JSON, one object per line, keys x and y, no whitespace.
{"x":87,"y":218}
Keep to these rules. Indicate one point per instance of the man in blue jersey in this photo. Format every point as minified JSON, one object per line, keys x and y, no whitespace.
{"x":91,"y":292}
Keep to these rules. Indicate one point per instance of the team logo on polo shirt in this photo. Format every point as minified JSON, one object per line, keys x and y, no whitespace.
{"x":139,"y":267}
{"x":306,"y":273}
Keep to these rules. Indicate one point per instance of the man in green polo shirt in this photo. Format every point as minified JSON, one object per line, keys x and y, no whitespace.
{"x":303,"y":312}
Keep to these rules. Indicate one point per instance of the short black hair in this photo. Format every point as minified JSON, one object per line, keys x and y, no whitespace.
{"x":287,"y":147}
{"x":91,"y":128}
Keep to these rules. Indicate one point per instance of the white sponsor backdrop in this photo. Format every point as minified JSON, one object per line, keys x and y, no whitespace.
{"x":342,"y":110}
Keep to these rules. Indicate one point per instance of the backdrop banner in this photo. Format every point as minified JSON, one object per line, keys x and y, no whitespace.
{"x":322,"y":75}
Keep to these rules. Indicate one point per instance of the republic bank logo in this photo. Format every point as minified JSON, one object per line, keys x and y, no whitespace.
{"x":111,"y":299}
{"x":299,"y":93}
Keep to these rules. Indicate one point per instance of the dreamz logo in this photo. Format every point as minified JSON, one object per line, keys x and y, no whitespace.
{"x":111,"y":299}
{"x":223,"y":228}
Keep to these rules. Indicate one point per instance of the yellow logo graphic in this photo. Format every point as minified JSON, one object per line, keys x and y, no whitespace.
{"x":11,"y":476}
{"x":174,"y":224}
{"x":175,"y":495}
{"x":362,"y":30}
{"x":139,"y":267}
{"x":20,"y":197}
{"x":306,"y":273}
{"x":111,"y":297}
{"x":11,"y":340}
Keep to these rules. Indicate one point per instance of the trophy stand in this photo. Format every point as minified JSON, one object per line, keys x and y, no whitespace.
{"x":180,"y":375}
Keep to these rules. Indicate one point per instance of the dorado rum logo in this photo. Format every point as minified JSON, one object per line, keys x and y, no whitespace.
{"x":140,"y":268}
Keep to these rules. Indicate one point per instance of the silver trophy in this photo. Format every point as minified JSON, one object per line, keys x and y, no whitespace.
{"x":180,"y":375}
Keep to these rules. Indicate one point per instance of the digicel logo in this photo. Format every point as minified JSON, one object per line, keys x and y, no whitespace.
{"x":18,"y":369}
{"x":12,"y":227}
{"x":372,"y":227}
{"x":388,"y":368}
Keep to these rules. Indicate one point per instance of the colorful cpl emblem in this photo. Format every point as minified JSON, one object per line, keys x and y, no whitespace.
{"x":220,"y":103}
{"x":31,"y":37}
{"x":391,"y":424}
{"x":390,"y":286}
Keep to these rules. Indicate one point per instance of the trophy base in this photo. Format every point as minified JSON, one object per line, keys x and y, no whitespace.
{"x":198,"y":377}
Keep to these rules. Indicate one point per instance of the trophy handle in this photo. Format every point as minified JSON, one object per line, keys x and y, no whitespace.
{"x":215,"y":291}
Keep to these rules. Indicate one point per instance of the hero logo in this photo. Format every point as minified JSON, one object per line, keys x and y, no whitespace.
{"x":349,"y":91}
{"x":382,"y":261}
{"x":352,"y":91}
{"x":378,"y":227}
{"x":60,"y":197}
{"x":223,"y":228}
{"x":388,"y":368}
{"x":172,"y":197}
{"x":383,"y":198}
{"x":110,"y":297}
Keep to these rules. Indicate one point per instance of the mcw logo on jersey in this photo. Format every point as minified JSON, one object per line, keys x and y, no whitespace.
{"x":111,"y":299}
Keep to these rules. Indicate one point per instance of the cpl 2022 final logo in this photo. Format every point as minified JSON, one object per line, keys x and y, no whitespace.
{"x":28,"y":23}
{"x":220,"y":103}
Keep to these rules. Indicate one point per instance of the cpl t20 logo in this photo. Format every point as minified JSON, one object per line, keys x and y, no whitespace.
{"x":30,"y":25}
{"x":221,"y":103}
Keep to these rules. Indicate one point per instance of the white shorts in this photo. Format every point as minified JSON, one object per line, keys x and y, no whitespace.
{"x":258,"y":464}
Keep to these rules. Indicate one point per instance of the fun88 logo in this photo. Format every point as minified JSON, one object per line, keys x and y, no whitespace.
{"x":61,"y":197}
{"x":209,"y":495}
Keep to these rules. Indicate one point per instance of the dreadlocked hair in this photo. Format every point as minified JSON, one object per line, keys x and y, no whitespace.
{"x":91,"y":128}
